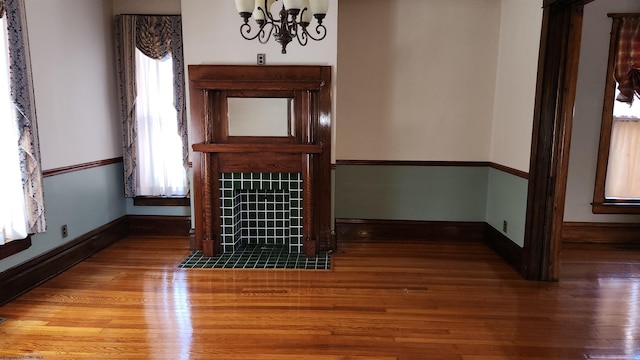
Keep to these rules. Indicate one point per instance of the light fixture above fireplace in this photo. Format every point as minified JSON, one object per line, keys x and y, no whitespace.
{"x":292,"y":22}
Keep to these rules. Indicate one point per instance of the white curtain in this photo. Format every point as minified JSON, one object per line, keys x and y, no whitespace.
{"x":623,"y":170}
{"x":13,"y":219}
{"x":160,"y":169}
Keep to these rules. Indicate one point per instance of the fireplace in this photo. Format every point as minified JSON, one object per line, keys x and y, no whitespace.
{"x":261,"y":176}
{"x":261,"y":208}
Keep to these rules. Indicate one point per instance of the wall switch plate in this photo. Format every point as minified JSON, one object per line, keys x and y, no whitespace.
{"x":262,"y":59}
{"x":504,"y":226}
{"x":65,"y":231}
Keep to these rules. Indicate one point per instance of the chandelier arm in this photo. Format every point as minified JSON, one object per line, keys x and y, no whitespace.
{"x":268,"y":15}
{"x":262,"y":35}
{"x":267,"y":34}
{"x":302,"y":36}
{"x":321,"y":33}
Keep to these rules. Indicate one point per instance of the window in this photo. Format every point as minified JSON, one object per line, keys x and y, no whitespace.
{"x":151,"y":83}
{"x":13,"y":220}
{"x":617,"y":188}
{"x":22,"y":198}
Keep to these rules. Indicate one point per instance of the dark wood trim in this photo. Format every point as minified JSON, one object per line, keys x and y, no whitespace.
{"x":408,"y":229}
{"x":35,"y":271}
{"x":565,"y":2}
{"x":78,"y":167}
{"x":509,"y":170}
{"x":256,"y":148}
{"x":616,"y":207}
{"x":31,"y":273}
{"x":606,"y":123}
{"x":413,"y":163}
{"x":161,"y":201}
{"x":509,"y":251}
{"x":153,"y":225}
{"x":14,"y":247}
{"x":609,"y":233}
{"x":553,"y":114}
{"x":620,"y":15}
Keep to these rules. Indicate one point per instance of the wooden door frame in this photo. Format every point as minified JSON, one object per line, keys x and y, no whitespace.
{"x":553,"y":116}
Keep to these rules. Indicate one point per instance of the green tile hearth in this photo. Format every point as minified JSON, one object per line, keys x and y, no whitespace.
{"x":257,"y":256}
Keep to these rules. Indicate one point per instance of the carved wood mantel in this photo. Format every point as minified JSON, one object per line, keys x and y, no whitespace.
{"x":307,"y":151}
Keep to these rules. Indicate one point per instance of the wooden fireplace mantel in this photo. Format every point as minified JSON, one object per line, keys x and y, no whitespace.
{"x":261,"y":148}
{"x":306,"y":152}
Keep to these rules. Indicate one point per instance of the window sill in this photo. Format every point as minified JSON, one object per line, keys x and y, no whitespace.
{"x":14,"y":247}
{"x":616,"y":208}
{"x":161,"y":201}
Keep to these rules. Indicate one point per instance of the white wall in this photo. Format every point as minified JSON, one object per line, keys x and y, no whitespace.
{"x":417,"y":79}
{"x":74,"y":80}
{"x":585,"y":135}
{"x":520,"y":27}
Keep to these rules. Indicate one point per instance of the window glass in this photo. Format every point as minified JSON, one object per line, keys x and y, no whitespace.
{"x":159,"y":166}
{"x":623,"y":165}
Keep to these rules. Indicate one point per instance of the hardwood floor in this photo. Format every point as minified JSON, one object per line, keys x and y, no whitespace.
{"x":381,"y":300}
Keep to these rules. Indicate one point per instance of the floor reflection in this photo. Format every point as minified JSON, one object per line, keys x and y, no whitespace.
{"x":620,"y":305}
{"x":172,"y":311}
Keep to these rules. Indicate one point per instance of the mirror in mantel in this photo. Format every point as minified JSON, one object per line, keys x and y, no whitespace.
{"x":252,"y":116}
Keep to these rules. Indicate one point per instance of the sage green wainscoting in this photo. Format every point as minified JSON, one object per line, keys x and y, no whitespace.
{"x":83,"y":200}
{"x":507,"y":201}
{"x":432,"y":193}
{"x":398,"y":192}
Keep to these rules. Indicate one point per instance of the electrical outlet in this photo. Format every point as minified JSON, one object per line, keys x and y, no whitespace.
{"x":262,"y":59}
{"x":65,"y":231}
{"x":504,"y":226}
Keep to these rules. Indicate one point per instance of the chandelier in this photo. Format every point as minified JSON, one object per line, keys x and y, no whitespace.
{"x":291,"y":23}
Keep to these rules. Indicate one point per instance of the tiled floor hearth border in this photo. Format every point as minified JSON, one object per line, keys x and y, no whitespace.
{"x":252,"y":256}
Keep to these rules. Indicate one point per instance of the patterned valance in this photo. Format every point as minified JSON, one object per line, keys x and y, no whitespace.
{"x":153,"y":36}
{"x":627,"y":67}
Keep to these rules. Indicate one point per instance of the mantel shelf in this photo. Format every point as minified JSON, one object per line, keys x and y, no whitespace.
{"x":251,"y":148}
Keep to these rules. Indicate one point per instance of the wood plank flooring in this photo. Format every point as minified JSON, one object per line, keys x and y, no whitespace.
{"x":381,"y":300}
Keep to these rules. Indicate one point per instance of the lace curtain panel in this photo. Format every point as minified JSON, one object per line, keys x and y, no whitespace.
{"x":156,"y":37}
{"x":623,"y":169}
{"x":159,"y":166}
{"x":19,"y":106}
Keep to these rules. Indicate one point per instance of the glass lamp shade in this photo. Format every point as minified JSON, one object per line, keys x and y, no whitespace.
{"x":292,"y":4}
{"x":306,"y":14}
{"x":245,"y":6}
{"x":319,"y":6}
{"x":258,"y":14}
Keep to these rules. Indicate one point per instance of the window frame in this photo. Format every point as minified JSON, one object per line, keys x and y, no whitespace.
{"x":602,"y":205}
